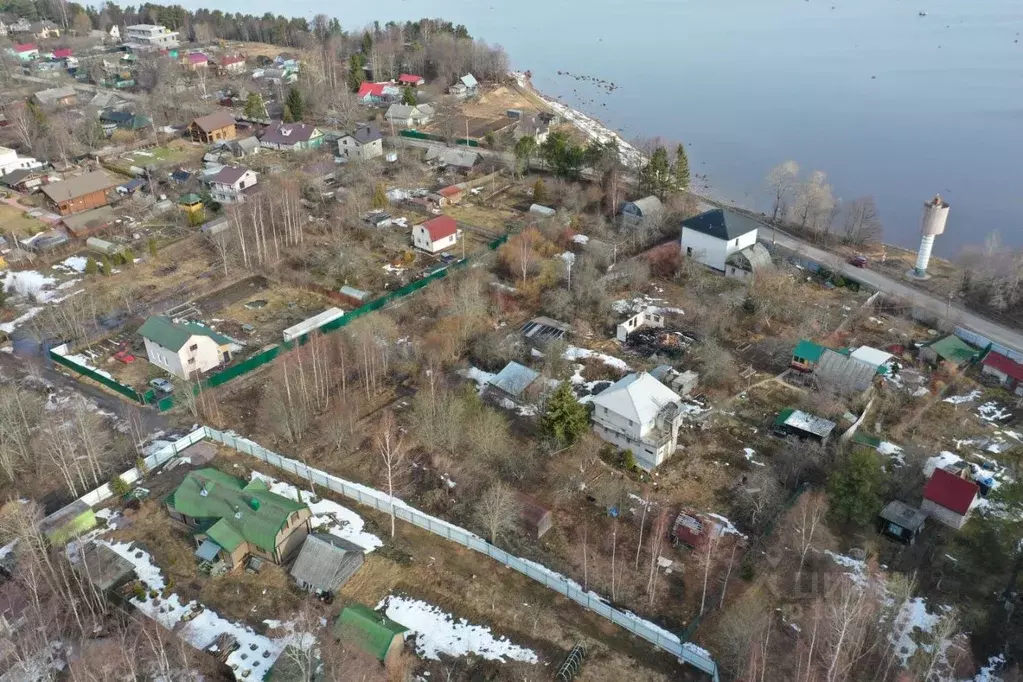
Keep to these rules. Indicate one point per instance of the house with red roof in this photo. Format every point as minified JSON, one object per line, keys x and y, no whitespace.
{"x":948,"y":498}
{"x":436,"y":234}
{"x":63,"y":53}
{"x":232,"y":63}
{"x":411,"y":79}
{"x":371,"y":91}
{"x":1007,"y":371}
{"x":196,"y":60}
{"x":26,"y":51}
{"x":449,"y":195}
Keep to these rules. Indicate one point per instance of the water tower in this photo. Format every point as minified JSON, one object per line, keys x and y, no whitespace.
{"x":933,"y":224}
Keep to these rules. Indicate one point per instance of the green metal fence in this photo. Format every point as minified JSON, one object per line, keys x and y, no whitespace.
{"x":416,"y":135}
{"x":126,"y":391}
{"x":271,"y":354}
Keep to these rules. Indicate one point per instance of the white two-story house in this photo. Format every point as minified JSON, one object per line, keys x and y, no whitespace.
{"x":640,"y":414}
{"x":436,"y":234}
{"x":229,"y":184}
{"x":712,"y":237}
{"x":10,"y":161}
{"x":184,"y":348}
{"x":151,"y":36}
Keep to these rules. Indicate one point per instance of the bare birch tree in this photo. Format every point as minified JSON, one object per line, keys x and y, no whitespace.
{"x":390,"y":445}
{"x":809,"y":515}
{"x":782,"y":179}
{"x":497,"y":511}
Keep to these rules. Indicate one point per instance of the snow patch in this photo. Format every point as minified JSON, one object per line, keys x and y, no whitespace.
{"x":437,"y":632}
{"x":750,"y":454}
{"x":478,"y":375}
{"x":960,"y":399}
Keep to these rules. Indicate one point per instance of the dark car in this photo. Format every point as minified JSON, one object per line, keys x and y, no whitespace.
{"x":858,"y":261}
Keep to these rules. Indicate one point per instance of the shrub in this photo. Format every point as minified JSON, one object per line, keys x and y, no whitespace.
{"x":138,"y":591}
{"x":119,"y":487}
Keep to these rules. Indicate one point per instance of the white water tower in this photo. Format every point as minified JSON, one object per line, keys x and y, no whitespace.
{"x":933,"y":224}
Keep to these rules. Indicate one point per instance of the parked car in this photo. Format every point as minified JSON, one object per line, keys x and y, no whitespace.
{"x":124,"y":356}
{"x":161,"y":385}
{"x":858,"y":261}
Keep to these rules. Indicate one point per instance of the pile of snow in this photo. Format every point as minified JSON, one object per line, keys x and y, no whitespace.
{"x":750,"y":454}
{"x":993,"y":412}
{"x":9,"y":327}
{"x":913,"y":620}
{"x":27,"y":283}
{"x":857,"y":572}
{"x":940,"y":461}
{"x":72,"y":264}
{"x":893,"y":451}
{"x":478,"y":375}
{"x":328,"y":516}
{"x":84,"y":361}
{"x":960,"y":399}
{"x":437,"y":632}
{"x":581,"y":239}
{"x":727,"y":527}
{"x":575,"y":353}
{"x":522,"y":410}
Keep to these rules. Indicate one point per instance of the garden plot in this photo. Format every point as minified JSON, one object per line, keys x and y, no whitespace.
{"x":255,"y":653}
{"x":260,"y":318}
{"x":438,"y":632}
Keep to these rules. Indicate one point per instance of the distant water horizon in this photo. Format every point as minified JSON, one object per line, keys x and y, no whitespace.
{"x":887,"y":102}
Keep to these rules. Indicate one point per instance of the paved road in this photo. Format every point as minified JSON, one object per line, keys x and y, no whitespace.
{"x":933,"y":304}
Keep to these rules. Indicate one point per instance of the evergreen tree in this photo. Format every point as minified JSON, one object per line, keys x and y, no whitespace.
{"x":854,"y":489}
{"x":287,"y":116}
{"x":408,"y":96}
{"x":379,"y":196}
{"x":681,"y":169}
{"x":566,"y":419}
{"x":295,"y":103}
{"x":107,"y":267}
{"x":3,"y":298}
{"x":254,"y":106}
{"x":129,"y":257}
{"x":355,"y":72}
{"x":524,"y":150}
{"x":153,"y":250}
{"x":655,"y":176}
{"x":91,"y":268}
{"x":367,"y":43}
{"x":539,"y":192}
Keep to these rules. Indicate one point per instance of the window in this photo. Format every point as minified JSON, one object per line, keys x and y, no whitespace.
{"x":689,"y":251}
{"x":194,"y":346}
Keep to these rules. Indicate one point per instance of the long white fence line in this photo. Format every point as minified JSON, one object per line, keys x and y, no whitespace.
{"x":380,"y":501}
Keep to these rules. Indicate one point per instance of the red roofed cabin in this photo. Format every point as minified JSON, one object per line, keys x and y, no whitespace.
{"x":1008,"y":372}
{"x":695,"y":530}
{"x":449,"y":196}
{"x":436,"y":234}
{"x":411,"y":79}
{"x":371,"y":90}
{"x":948,"y":498}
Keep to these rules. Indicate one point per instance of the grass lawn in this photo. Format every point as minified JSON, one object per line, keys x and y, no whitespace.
{"x":13,"y":220}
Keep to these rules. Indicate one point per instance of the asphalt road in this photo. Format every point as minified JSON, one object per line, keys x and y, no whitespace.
{"x":940,"y":307}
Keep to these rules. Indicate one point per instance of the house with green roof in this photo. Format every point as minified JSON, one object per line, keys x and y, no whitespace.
{"x":233,"y":520}
{"x":950,"y":349}
{"x":374,"y":633}
{"x":806,"y":355}
{"x":184,"y":348}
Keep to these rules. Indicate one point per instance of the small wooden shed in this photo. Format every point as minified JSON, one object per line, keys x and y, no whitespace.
{"x":533,"y":516}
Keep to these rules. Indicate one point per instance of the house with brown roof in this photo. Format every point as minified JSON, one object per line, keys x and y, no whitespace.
{"x":80,"y":193}
{"x":216,"y":127}
{"x":229,"y":184}
{"x":291,"y":136}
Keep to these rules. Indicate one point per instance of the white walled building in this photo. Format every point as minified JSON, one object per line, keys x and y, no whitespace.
{"x":365,"y":143}
{"x":184,"y":348}
{"x":10,"y":161}
{"x":713,"y":236}
{"x":640,"y":414}
{"x":151,"y":36}
{"x":435,"y":234}
{"x":229,"y":184}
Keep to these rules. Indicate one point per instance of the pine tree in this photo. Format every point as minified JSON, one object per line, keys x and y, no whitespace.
{"x":367,"y":43}
{"x":681,"y":169}
{"x":408,"y":96}
{"x":854,"y":489}
{"x":539,"y":192}
{"x":91,"y":268}
{"x":295,"y":103}
{"x":107,"y":267}
{"x":254,"y":107}
{"x":287,"y":116}
{"x":379,"y":196}
{"x":566,"y":419}
{"x":129,"y":257}
{"x":355,"y":72}
{"x":655,"y":177}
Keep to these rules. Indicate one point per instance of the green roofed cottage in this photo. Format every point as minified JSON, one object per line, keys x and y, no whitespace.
{"x":184,"y":348}
{"x":374,"y":633}
{"x":234,"y":520}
